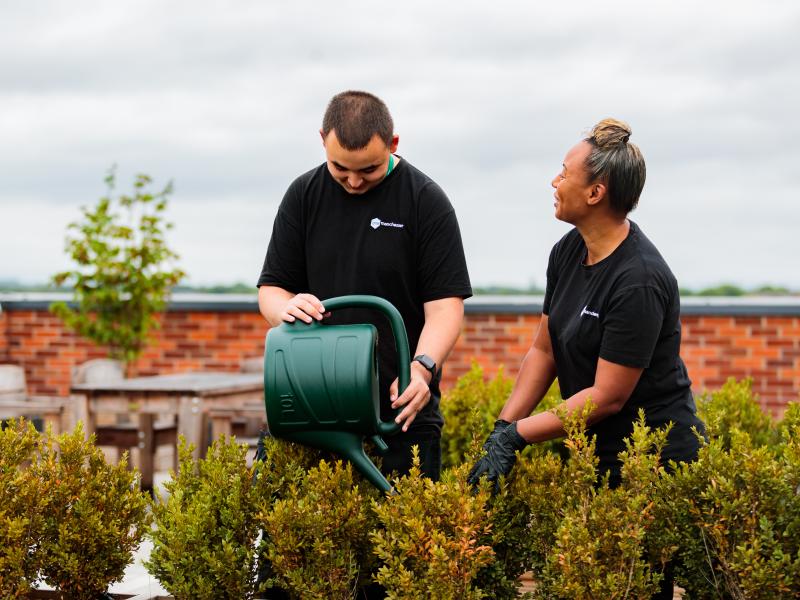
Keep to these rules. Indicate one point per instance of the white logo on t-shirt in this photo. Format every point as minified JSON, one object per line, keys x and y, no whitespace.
{"x":376,"y":222}
{"x":591,"y":313}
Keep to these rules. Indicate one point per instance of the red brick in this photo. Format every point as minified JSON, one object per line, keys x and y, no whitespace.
{"x":748,"y":362}
{"x":699,"y":331}
{"x":491,"y":329}
{"x":506,"y":339}
{"x":718,"y":341}
{"x":776,"y":364}
{"x":716,"y":362}
{"x":782,"y":342}
{"x":507,"y":318}
{"x":750,"y":342}
{"x":699,"y":352}
{"x":477,"y":339}
{"x":764,"y":331}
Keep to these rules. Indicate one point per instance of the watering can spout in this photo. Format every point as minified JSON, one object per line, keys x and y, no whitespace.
{"x":350,"y":447}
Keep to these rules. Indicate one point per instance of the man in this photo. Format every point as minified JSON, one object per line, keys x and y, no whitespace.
{"x":368,"y":222}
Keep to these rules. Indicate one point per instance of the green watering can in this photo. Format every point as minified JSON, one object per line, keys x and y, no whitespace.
{"x":321,"y":384}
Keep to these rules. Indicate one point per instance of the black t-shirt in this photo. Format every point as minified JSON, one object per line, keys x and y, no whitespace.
{"x":626,"y":310}
{"x":400,"y":241}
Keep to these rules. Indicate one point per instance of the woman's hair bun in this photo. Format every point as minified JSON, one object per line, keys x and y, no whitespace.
{"x":610,"y":132}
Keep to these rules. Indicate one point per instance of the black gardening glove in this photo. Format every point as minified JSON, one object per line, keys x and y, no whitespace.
{"x":499,"y":425}
{"x":501,"y":454}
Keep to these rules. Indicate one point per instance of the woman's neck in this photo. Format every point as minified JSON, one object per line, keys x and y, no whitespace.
{"x":603,"y":237}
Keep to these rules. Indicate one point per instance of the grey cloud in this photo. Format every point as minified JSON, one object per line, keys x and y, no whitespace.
{"x":226,"y":100}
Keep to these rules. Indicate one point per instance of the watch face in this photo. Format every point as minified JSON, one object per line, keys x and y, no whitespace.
{"x":426,"y":361}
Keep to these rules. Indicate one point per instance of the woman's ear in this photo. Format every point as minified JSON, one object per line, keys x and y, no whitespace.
{"x":597,"y":193}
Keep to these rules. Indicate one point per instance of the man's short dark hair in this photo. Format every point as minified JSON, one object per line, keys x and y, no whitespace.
{"x":357,"y":117}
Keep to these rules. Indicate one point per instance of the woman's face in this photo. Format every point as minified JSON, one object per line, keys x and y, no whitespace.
{"x":573,"y":190}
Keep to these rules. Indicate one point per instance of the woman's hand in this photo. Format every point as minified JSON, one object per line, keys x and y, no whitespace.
{"x":500,"y":457}
{"x":499,"y":425}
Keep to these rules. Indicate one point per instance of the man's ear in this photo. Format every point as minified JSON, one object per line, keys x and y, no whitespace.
{"x":322,"y":135}
{"x":597,"y":193}
{"x":395,"y":142}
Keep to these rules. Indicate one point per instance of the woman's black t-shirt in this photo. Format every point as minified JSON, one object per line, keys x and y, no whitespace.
{"x":624,"y":309}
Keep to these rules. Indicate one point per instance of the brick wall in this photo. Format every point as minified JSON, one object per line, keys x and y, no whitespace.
{"x":186,"y":341}
{"x":3,"y":339}
{"x":714,"y":348}
{"x":214,"y":335}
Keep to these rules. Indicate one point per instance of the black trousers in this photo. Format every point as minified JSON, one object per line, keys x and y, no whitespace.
{"x":399,"y":457}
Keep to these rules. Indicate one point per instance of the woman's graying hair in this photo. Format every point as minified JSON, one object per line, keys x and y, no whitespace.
{"x":616,"y":162}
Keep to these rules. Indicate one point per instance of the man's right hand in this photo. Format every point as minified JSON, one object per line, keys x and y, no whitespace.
{"x":304,"y":307}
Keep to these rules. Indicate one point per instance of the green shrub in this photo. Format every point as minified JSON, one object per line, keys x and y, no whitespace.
{"x":735,"y":407}
{"x":20,"y":509}
{"x":730,"y":522}
{"x":469,"y":411}
{"x":204,"y":540}
{"x":524,"y":515}
{"x":94,"y":516}
{"x":599,"y":549}
{"x":316,"y":533}
{"x":736,"y":517}
{"x":430,"y":537}
{"x":471,"y":408}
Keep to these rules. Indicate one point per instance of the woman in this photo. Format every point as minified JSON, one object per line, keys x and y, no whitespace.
{"x":610,"y":328}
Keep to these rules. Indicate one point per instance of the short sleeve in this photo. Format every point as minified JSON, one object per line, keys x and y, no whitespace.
{"x":551,"y":281}
{"x":442,"y":266}
{"x":631,"y":326}
{"x":285,"y":262}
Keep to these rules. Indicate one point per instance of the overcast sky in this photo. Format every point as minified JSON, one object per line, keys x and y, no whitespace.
{"x":226,"y":98}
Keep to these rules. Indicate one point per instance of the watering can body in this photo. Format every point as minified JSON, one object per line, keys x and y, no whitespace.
{"x":321,"y":383}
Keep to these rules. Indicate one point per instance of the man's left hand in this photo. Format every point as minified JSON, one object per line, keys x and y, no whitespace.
{"x":415,"y":396}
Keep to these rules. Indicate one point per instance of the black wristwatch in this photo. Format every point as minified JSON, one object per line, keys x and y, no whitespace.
{"x":427,"y":362}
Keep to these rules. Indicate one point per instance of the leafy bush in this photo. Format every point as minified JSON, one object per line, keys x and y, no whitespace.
{"x":94,"y":516}
{"x":430,"y":537}
{"x":120,"y":279}
{"x":524,"y":515}
{"x":20,"y":509}
{"x":204,"y":540}
{"x":735,"y":407}
{"x":729,"y":522}
{"x":316,"y":534}
{"x":736,"y":516}
{"x":470,"y":410}
{"x":599,"y":549}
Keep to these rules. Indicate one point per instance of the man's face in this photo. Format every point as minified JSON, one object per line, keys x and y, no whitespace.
{"x":358,"y":171}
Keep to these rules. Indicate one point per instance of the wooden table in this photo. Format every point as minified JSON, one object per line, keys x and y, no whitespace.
{"x":193,"y":398}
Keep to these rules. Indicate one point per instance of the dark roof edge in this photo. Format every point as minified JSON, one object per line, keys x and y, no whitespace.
{"x":508,"y":305}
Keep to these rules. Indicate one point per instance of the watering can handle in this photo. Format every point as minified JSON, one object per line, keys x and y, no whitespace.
{"x":400,"y":340}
